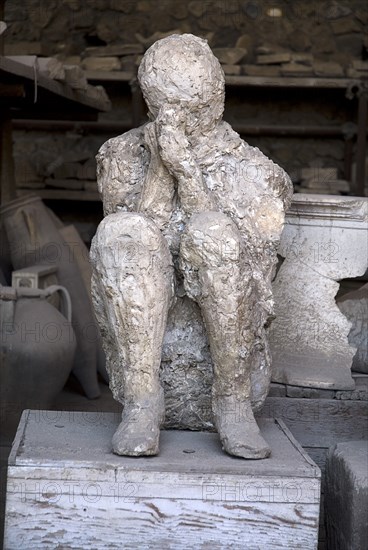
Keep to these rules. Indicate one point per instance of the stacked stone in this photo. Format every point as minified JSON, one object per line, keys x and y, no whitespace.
{"x":331,"y":32}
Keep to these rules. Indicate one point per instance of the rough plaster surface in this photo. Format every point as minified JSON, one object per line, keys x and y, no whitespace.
{"x":183,"y":261}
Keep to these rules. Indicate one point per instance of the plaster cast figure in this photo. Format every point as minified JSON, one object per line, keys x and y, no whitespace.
{"x":187,"y":203}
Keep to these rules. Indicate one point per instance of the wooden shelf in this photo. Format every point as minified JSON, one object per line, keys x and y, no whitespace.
{"x":60,"y":194}
{"x":14,"y":71}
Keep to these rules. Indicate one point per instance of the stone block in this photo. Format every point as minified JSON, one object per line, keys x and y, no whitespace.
{"x":23,"y":48}
{"x":296,"y":69}
{"x":327,"y":68}
{"x":232,"y":69}
{"x":114,"y":50}
{"x":274,"y":59}
{"x":62,"y":475}
{"x":230,"y":56}
{"x":101,"y":64}
{"x":302,"y":58}
{"x":261,"y":70}
{"x":346,"y":496}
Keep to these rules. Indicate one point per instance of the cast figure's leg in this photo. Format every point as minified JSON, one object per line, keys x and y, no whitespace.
{"x":132,"y":289}
{"x":218,"y":276}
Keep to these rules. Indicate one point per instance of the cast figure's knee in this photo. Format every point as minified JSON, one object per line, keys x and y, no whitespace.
{"x":126,"y":239}
{"x":210,"y":239}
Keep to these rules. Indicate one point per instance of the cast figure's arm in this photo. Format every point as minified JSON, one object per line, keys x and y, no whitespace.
{"x":131,"y":177}
{"x":176,"y":154}
{"x":158,"y":190}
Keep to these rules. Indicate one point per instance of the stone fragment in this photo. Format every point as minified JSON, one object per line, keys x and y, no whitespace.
{"x":23,"y":48}
{"x":327,"y":68}
{"x":354,"y":305}
{"x":345,"y":25}
{"x":71,"y":60}
{"x":302,"y":58}
{"x":346,"y":496}
{"x":75,"y":77}
{"x":296,"y":69}
{"x":230,"y":56}
{"x":51,"y":67}
{"x":360,"y":65}
{"x":101,"y":64}
{"x":114,"y":50}
{"x":353,"y":73}
{"x":270,"y":49}
{"x":274,"y":59}
{"x":232,"y":69}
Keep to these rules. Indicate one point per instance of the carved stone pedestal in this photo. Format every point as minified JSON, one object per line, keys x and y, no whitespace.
{"x":325,"y":239}
{"x":67,"y":490}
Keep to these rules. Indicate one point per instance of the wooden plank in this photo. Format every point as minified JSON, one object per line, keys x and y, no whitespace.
{"x":319,"y":422}
{"x":157,"y":523}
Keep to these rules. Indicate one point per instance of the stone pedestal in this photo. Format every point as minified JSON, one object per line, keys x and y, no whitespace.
{"x":65,"y":489}
{"x":324,"y":240}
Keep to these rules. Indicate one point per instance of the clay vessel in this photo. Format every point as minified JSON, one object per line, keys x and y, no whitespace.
{"x":34,"y":238}
{"x":37,"y":350}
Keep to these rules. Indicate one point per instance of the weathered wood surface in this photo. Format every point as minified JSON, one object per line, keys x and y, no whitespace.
{"x":320,"y":422}
{"x":62,"y":476}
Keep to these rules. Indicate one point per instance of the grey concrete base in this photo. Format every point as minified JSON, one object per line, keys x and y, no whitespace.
{"x":346,"y":496}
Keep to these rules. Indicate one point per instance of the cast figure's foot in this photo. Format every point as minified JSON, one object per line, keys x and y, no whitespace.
{"x":238,"y":429}
{"x":138,"y":433}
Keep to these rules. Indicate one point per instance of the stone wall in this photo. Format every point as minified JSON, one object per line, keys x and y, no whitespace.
{"x":331,"y":30}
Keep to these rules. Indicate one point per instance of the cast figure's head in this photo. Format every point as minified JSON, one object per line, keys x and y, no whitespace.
{"x":181,"y":70}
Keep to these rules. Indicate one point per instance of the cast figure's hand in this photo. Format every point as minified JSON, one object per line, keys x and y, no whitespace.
{"x":177,"y":155}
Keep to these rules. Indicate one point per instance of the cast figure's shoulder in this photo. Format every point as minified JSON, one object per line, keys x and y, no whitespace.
{"x":121,"y":167}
